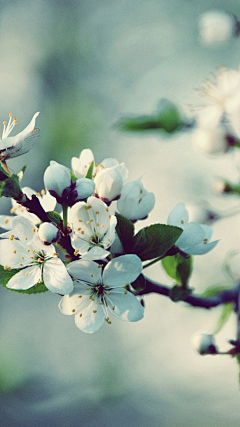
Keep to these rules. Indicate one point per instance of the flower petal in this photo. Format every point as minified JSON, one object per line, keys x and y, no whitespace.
{"x":74,"y":302}
{"x":56,"y":277}
{"x":91,"y":319}
{"x":125,"y":306}
{"x":25,"y":278}
{"x":86,"y":271}
{"x":178,"y":216}
{"x":122,"y":270}
{"x":201,"y":249}
{"x":193,"y":234}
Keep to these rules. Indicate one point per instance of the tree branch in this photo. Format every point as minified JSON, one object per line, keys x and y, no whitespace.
{"x":229,"y":295}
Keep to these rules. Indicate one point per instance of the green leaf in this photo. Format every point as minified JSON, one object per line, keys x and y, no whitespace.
{"x":3,"y":174}
{"x":54,"y":217}
{"x":139,"y":284}
{"x":226,"y":313}
{"x":177,"y":293}
{"x":154,"y":241}
{"x":178,"y":268}
{"x":213,"y":290}
{"x":238,"y":361}
{"x":73,"y":177}
{"x":21,"y":173}
{"x":138,"y":124}
{"x":168,"y":116}
{"x":6,"y":275}
{"x":90,"y":170}
{"x":11,"y":188}
{"x":125,"y":232}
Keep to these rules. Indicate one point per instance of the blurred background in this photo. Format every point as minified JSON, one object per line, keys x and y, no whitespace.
{"x":84,"y":65}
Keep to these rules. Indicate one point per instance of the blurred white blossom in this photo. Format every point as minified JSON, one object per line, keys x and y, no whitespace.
{"x":216,"y":27}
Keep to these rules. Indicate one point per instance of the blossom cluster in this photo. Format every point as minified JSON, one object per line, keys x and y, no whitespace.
{"x":87,"y":253}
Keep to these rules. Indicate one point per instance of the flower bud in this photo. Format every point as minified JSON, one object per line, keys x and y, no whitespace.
{"x":57,"y":180}
{"x":48,"y":233}
{"x":204,"y":344}
{"x":216,"y":27}
{"x":109,"y":182}
{"x":81,"y":190}
{"x":135,"y":202}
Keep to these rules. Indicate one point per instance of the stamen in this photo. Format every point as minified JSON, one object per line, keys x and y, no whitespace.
{"x":6,"y":221}
{"x":73,"y":311}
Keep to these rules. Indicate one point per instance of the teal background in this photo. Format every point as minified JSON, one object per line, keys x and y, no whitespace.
{"x":84,"y":65}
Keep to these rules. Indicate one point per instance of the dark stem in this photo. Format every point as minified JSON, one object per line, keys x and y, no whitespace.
{"x":229,"y":295}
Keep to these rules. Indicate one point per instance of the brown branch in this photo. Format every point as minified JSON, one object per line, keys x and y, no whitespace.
{"x":229,"y":295}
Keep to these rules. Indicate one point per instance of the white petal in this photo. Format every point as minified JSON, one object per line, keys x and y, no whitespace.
{"x":201,"y":249}
{"x":193,"y":234}
{"x":23,"y":229}
{"x":122,"y":270}
{"x":74,"y":302}
{"x":210,"y":116}
{"x":27,"y":129}
{"x":95,"y":253}
{"x":6,"y":222}
{"x":11,"y":253}
{"x":26,"y":278}
{"x":86,"y":271}
{"x":207,"y":230}
{"x":178,"y":216}
{"x":56,"y":277}
{"x":125,"y":306}
{"x":91,"y":319}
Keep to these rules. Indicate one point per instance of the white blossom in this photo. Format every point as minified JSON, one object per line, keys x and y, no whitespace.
{"x":195,"y":237}
{"x":221,"y":100}
{"x":216,"y":27}
{"x":13,"y":146}
{"x":93,"y":228}
{"x":135,"y":202}
{"x":36,"y":262}
{"x":97,"y":292}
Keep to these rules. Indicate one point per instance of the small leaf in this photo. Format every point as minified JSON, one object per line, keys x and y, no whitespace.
{"x":138,"y":124}
{"x":125,"y":232}
{"x":178,"y":268}
{"x":90,"y":170}
{"x":21,"y":173}
{"x":73,"y":177}
{"x":177,"y":293}
{"x":6,"y":275}
{"x":3,"y":174}
{"x":139,"y":284}
{"x":11,"y":188}
{"x":226,"y":313}
{"x":55,"y":217}
{"x":154,"y":241}
{"x":168,"y":116}
{"x":213,"y":290}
